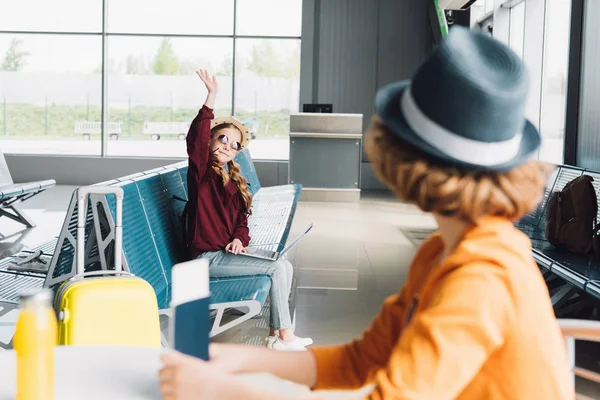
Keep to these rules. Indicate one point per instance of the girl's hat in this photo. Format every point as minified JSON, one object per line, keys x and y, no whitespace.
{"x":233,"y":120}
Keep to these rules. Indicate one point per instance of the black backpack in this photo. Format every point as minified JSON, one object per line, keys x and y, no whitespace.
{"x":183,"y":220}
{"x":571,"y":217}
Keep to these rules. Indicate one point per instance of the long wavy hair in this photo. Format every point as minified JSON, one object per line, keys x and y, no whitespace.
{"x":233,"y":168}
{"x":468,"y":195}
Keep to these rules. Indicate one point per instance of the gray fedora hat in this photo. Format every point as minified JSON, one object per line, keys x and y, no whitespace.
{"x":465,"y":105}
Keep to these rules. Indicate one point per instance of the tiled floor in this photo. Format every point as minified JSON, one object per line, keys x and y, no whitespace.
{"x":356,"y":255}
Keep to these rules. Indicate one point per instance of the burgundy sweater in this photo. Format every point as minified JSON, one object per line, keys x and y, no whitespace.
{"x":217,"y":213}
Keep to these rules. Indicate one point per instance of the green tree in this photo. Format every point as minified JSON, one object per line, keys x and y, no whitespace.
{"x":264,"y":60}
{"x":14,"y":59}
{"x":226,"y":67}
{"x":135,"y":65}
{"x":275,"y":62}
{"x":189,"y":67}
{"x":166,"y":62}
{"x":293,"y":64}
{"x":112,"y":66}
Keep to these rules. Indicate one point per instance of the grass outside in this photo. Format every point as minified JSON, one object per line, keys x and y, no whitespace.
{"x":58,"y":121}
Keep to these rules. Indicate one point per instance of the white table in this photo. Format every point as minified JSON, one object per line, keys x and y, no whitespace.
{"x":94,"y":373}
{"x":110,"y":373}
{"x":100,"y":373}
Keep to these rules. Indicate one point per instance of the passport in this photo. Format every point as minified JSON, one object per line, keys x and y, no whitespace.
{"x":190,"y":303}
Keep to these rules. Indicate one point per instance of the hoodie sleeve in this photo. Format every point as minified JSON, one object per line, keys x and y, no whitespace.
{"x":241,"y":231}
{"x":198,"y":142}
{"x":440,"y":350}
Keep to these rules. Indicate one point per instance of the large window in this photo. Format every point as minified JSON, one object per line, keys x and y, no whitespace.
{"x":269,"y":17}
{"x":516,"y":35}
{"x":192,"y":17}
{"x":554,"y":79}
{"x":480,"y":9}
{"x":50,"y":16}
{"x":48,"y":84}
{"x":52,"y":65}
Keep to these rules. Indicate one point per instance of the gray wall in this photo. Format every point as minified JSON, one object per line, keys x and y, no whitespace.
{"x":351,"y":48}
{"x":404,"y":39}
{"x":588,"y":140}
{"x":82,"y":171}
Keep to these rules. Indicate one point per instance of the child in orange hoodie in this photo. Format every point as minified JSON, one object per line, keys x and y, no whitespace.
{"x":474,"y":318}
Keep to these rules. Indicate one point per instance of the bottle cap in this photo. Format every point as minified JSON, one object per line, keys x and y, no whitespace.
{"x":35,"y":296}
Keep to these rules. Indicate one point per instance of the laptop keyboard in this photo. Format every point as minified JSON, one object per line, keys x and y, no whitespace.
{"x":261,"y":252}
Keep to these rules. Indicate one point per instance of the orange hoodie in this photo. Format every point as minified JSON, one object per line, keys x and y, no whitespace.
{"x":478,"y":326}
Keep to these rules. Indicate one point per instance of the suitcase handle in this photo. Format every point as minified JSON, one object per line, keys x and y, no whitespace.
{"x":100,"y":273}
{"x":82,"y":196}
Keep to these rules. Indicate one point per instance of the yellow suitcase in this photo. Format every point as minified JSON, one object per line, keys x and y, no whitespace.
{"x":112,"y":308}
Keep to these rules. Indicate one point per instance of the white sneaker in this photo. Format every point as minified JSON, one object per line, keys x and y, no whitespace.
{"x":294,"y":345}
{"x":305,"y":341}
{"x":270,"y":341}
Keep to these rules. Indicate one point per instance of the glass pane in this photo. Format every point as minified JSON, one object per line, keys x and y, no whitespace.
{"x":154,"y":93}
{"x":213,"y":17}
{"x":487,"y":27}
{"x":269,"y":17}
{"x":49,"y":85}
{"x":517,"y":28}
{"x":554,"y":79}
{"x":266,"y":91}
{"x":477,"y":11}
{"x":55,"y":15}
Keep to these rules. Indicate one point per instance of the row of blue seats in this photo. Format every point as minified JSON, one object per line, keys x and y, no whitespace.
{"x":152,"y":242}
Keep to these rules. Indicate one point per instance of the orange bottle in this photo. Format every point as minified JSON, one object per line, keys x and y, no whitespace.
{"x":34,"y":343}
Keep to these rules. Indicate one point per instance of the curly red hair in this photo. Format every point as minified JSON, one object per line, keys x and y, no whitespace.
{"x":234,"y":171}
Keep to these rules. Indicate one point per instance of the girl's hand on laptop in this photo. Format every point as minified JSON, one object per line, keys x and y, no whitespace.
{"x":235,"y":247}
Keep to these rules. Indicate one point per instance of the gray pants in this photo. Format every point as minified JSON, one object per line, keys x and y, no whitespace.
{"x":281,"y":272}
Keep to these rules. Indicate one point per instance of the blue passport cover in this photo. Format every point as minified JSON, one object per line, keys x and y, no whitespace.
{"x":192,"y":328}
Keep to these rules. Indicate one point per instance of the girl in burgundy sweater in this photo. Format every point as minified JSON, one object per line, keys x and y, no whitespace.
{"x":218,"y":213}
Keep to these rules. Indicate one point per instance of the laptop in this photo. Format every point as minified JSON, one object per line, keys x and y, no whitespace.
{"x":257,"y":252}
